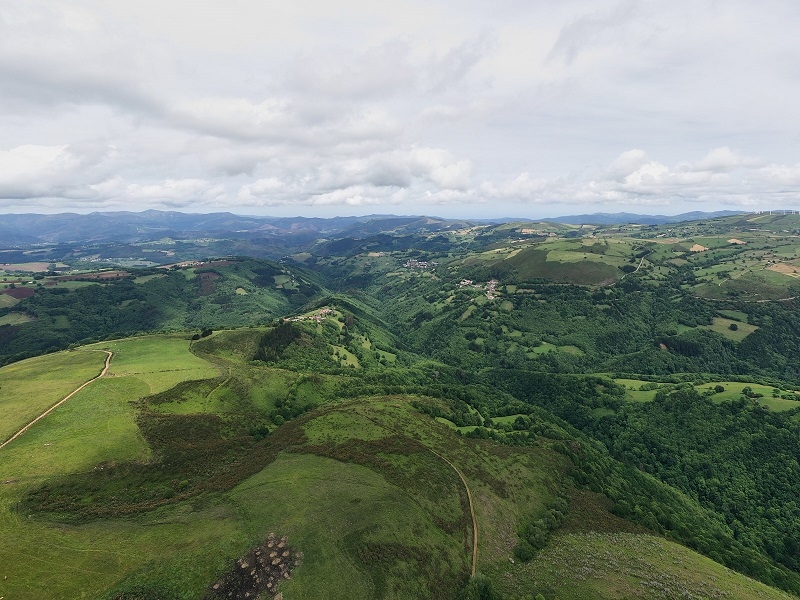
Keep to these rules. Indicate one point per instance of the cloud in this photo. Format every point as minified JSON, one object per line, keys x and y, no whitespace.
{"x":724,"y":159}
{"x":634,"y":179}
{"x":781,"y":175}
{"x":593,"y":29}
{"x":522,"y":187}
{"x":29,"y":171}
{"x":169,"y":193}
{"x":525,"y":105}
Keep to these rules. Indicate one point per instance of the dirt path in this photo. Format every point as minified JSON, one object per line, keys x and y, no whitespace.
{"x":60,"y":402}
{"x":466,"y":487}
{"x":471,"y":511}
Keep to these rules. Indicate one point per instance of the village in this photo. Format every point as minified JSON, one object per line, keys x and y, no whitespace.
{"x":490,"y":287}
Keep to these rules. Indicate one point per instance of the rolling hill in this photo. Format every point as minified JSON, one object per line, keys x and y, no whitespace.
{"x":408,"y":408}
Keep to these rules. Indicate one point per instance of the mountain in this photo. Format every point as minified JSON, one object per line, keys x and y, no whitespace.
{"x":135,"y":227}
{"x":129,"y":227}
{"x":622,"y":218}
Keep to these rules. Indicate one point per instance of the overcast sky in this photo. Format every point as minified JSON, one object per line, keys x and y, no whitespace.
{"x":524,"y":108}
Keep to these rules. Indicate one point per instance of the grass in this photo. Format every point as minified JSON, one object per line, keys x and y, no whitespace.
{"x":733,"y":391}
{"x":47,"y":561}
{"x":544,"y":347}
{"x":146,"y":278}
{"x":363,"y":510}
{"x":7,"y":301}
{"x":15,"y":319}
{"x":736,"y":315}
{"x":632,"y":391}
{"x":628,"y":565}
{"x":384,"y":531}
{"x":533,"y":263}
{"x":159,"y":361}
{"x":507,"y":420}
{"x":345,"y":357}
{"x":722,"y":327}
{"x":355,"y":485}
{"x":31,"y":386}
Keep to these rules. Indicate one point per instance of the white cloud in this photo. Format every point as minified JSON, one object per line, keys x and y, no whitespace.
{"x":724,"y":159}
{"x":352,"y":105}
{"x":30,"y":170}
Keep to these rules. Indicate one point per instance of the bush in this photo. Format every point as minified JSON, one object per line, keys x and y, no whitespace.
{"x":479,"y":588}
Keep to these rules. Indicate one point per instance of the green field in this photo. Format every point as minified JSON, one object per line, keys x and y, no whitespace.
{"x":31,"y":386}
{"x":6,"y":301}
{"x":395,"y":521}
{"x":15,"y":319}
{"x":723,"y":327}
{"x":634,"y":392}
{"x":96,"y":425}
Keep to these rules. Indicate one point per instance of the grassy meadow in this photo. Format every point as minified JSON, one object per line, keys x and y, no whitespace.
{"x":95,"y":426}
{"x":29,"y":387}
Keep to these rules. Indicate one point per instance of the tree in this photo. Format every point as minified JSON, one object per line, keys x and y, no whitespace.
{"x":733,"y":327}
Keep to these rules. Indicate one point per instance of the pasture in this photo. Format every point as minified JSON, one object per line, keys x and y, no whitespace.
{"x":7,"y":300}
{"x":95,"y":426}
{"x":30,"y":387}
{"x":723,"y":327}
{"x":15,"y":319}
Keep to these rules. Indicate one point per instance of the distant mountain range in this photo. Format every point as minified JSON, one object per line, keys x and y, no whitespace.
{"x":99,"y":227}
{"x":623,"y":218}
{"x":24,"y":229}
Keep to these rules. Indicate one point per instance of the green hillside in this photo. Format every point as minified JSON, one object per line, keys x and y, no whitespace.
{"x":500,"y":412}
{"x":396,"y":518}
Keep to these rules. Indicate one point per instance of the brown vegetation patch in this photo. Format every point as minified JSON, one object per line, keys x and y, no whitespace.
{"x":20,"y":293}
{"x":590,"y":511}
{"x":99,"y":276}
{"x":736,"y":241}
{"x":698,"y":248}
{"x":208,"y":282}
{"x":33,"y":267}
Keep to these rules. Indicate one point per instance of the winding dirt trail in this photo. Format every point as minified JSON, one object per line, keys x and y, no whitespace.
{"x":466,"y":487}
{"x":471,"y":511}
{"x":60,"y":402}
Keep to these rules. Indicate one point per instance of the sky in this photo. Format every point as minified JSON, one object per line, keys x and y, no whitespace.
{"x":509,"y":108}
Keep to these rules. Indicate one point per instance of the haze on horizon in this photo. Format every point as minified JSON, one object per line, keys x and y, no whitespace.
{"x":468,"y":109}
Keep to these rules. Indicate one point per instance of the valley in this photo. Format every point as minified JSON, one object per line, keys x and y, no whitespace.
{"x":418,"y":409}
